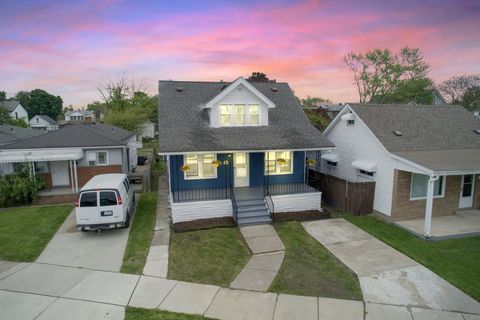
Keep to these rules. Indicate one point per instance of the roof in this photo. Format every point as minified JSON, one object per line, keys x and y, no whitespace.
{"x":437,"y":137}
{"x":46,"y":118}
{"x":14,"y":155}
{"x":104,"y":181}
{"x":9,"y":134}
{"x":10,"y":105}
{"x":81,"y":112}
{"x":332,"y":107}
{"x":78,"y":135}
{"x":184,"y":125}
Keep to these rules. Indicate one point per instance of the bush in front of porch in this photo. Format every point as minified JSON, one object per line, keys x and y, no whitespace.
{"x":211,"y":256}
{"x":19,"y":188}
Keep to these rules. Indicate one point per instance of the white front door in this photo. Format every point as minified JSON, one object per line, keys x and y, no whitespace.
{"x":59,"y":171}
{"x":240,"y":165}
{"x":467,"y":191}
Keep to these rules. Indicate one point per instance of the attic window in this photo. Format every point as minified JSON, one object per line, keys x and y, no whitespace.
{"x":350,"y":122}
{"x":274,"y":89}
{"x":477,"y":131}
{"x":397,"y":133}
{"x":179,"y":89}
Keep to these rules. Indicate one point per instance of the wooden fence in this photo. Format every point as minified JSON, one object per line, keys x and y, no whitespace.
{"x":339,"y":194}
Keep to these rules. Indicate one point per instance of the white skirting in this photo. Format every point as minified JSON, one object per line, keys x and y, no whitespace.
{"x":188,"y":211}
{"x":297,"y":202}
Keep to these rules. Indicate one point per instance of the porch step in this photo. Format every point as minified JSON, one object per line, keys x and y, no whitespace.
{"x":250,"y":202}
{"x":249,"y":208}
{"x":248,"y":221}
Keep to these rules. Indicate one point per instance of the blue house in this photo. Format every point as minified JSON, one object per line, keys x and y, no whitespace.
{"x":237,"y":151}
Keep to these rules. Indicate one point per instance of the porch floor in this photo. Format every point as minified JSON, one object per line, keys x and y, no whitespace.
{"x":465,"y":223}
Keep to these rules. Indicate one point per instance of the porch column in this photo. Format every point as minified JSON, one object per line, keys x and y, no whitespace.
{"x":71,"y":176}
{"x":169,"y":179}
{"x":75,"y":174}
{"x":429,"y":206}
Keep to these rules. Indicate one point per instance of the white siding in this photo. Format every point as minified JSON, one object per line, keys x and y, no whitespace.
{"x":297,"y":202}
{"x":355,"y":142}
{"x":240,"y":95}
{"x":114,"y":156}
{"x":21,"y":112}
{"x":188,"y":211}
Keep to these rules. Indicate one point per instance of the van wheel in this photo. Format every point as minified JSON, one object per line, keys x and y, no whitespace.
{"x":127,"y":222}
{"x":83,"y":229}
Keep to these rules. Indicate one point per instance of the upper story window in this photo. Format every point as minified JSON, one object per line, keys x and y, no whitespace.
{"x":239,"y":115}
{"x":278,"y":162}
{"x":200,"y":166}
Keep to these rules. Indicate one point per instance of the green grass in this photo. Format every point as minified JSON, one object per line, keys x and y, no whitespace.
{"x":213,"y":256}
{"x":309,"y":269}
{"x":140,"y":235}
{"x":455,"y":260}
{"x":25,"y":231}
{"x":146,"y":314}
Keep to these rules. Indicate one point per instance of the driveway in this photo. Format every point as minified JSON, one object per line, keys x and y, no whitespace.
{"x":387,"y":276}
{"x":73,"y":248}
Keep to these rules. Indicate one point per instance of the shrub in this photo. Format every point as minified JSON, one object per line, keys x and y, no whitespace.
{"x":18,"y":188}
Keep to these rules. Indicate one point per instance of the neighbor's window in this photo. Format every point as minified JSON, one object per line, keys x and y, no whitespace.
{"x":98,"y":158}
{"x":419,"y":184}
{"x":240,"y":114}
{"x":278,"y":162}
{"x":225,"y":115}
{"x":108,"y":198}
{"x":253,"y":114}
{"x":201,"y":166}
{"x":88,"y":199}
{"x":41,"y":167}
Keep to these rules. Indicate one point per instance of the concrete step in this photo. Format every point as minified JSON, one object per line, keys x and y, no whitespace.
{"x":254,"y":220}
{"x":250,"y":202}
{"x":247,"y":208}
{"x":255,"y":213}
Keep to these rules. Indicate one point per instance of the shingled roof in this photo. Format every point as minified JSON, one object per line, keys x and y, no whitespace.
{"x":9,"y":105}
{"x":184,"y":125}
{"x":10,"y":134}
{"x":79,"y":135}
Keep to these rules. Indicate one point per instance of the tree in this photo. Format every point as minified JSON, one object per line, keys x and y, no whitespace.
{"x":418,"y":90}
{"x":3,"y":96}
{"x":4,"y":115}
{"x":318,"y":117}
{"x":40,"y":102}
{"x":313,"y":102}
{"x":259,"y":77}
{"x":130,"y":119}
{"x":463,"y":90}
{"x":378,"y":73}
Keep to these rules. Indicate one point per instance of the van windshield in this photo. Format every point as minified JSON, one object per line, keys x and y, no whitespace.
{"x":88,"y":199}
{"x":108,"y":198}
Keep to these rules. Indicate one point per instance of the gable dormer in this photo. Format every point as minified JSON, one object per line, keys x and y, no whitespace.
{"x":239,"y":104}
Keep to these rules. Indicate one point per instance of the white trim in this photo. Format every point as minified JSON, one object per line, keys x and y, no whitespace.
{"x":233,"y":151}
{"x":107,"y":162}
{"x":233,"y":115}
{"x":365,"y":165}
{"x":330,"y":157}
{"x":277,"y":173}
{"x":200,"y":168}
{"x":441,"y":195}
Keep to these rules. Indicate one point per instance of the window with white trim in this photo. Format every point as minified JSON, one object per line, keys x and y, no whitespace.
{"x":419,"y":185}
{"x":41,"y":167}
{"x":278,"y":162}
{"x":225,"y":115}
{"x":97,"y":158}
{"x":239,"y":115}
{"x":200,"y":166}
{"x":253,"y":114}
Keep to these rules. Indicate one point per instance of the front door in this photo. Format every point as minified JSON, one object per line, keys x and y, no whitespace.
{"x":466,"y":191}
{"x":59,"y":171}
{"x":240,"y":165}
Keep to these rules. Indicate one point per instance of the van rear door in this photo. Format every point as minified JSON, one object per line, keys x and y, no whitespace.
{"x":110,"y":208}
{"x":87,"y":210}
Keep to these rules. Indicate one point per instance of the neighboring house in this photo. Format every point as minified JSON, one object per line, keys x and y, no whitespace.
{"x":235,"y":150}
{"x":79,"y":116}
{"x":332,"y":109}
{"x":15,"y":110}
{"x":476,"y":114}
{"x":70,"y":156}
{"x":147,"y":130}
{"x":438,"y":99}
{"x":425,"y":160}
{"x":43,"y":122}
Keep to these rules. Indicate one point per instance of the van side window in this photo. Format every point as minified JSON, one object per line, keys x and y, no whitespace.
{"x":127,"y":185}
{"x":88,"y":199}
{"x":108,"y":198}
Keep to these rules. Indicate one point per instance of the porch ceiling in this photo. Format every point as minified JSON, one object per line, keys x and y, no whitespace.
{"x":10,"y":156}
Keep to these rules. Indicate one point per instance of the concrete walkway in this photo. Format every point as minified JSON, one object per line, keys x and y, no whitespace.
{"x":268,"y":253}
{"x":389,"y":278}
{"x":157,"y":260}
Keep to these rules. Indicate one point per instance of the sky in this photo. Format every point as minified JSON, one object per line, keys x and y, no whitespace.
{"x":69,"y":48}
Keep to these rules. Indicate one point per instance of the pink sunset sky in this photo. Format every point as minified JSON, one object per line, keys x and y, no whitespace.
{"x":69,"y":47}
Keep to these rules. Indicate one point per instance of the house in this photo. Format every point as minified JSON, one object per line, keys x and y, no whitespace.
{"x":43,"y":122}
{"x":438,"y":99}
{"x":77,"y":116}
{"x":15,"y":110}
{"x":236,"y":151}
{"x":67,"y":158}
{"x":425,"y":160}
{"x":147,"y":130}
{"x":332,"y":109}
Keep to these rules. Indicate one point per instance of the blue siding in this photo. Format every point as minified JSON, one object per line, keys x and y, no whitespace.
{"x":256,"y":172}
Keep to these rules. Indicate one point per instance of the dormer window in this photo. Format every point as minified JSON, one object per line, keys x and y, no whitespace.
{"x":225,"y":115}
{"x":253,"y":114}
{"x":239,"y":115}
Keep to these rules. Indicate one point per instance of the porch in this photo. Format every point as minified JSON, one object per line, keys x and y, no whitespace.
{"x":464,"y":223}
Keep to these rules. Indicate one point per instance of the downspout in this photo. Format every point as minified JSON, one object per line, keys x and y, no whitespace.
{"x":429,"y":206}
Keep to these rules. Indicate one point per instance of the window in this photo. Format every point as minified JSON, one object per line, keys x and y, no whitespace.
{"x":88,"y":199}
{"x":253,"y":114}
{"x":367,"y":173}
{"x":331,"y":163}
{"x":108,"y":198}
{"x":16,"y":115}
{"x":278,"y":162}
{"x":201,"y":166}
{"x":225,"y":115}
{"x":41,"y":167}
{"x":126,"y":184}
{"x":97,"y":158}
{"x":419,"y":185}
{"x":240,"y":114}
{"x":350,"y":122}
{"x":37,"y":120}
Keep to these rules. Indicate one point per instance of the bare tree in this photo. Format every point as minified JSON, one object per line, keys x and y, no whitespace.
{"x":117,"y":92}
{"x":462,"y":89}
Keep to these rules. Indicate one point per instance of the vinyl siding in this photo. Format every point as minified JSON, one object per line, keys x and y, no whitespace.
{"x":188,"y":211}
{"x":297,"y":202}
{"x":257,"y":166}
{"x":114,"y":156}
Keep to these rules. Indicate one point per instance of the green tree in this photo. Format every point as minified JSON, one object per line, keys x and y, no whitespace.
{"x":40,"y":102}
{"x":418,"y":90}
{"x":313,"y":102}
{"x":463,"y":90}
{"x":4,"y":115}
{"x":3,"y":96}
{"x":259,"y":77}
{"x":378,"y":73}
{"x":130,"y":119}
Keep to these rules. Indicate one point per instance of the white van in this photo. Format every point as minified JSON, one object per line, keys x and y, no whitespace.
{"x":106,"y":201}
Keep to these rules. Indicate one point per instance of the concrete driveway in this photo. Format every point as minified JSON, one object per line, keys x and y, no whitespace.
{"x":386,"y":275}
{"x":70,"y":247}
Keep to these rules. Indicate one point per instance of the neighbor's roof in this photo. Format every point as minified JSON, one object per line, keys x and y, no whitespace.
{"x":78,"y":135}
{"x":440,"y":138}
{"x":46,"y":119}
{"x":10,"y":105}
{"x":10,"y":134}
{"x":184,"y":125}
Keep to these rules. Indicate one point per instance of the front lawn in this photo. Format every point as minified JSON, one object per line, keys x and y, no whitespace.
{"x":213,"y":256}
{"x":147,"y":314}
{"x":310,"y":269}
{"x":26,"y":231}
{"x":455,"y":260}
{"x":141,"y":234}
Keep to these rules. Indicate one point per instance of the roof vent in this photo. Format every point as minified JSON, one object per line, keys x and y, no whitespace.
{"x":397,"y":133}
{"x":274,"y":89}
{"x":179,"y":89}
{"x":477,"y":131}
